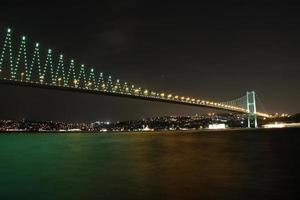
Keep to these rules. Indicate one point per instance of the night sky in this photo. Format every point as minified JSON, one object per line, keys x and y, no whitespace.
{"x":216,"y":51}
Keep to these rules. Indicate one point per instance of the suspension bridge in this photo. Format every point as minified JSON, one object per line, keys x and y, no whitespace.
{"x":44,"y":71}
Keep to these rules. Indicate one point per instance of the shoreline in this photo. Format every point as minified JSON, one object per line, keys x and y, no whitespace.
{"x":147,"y":132}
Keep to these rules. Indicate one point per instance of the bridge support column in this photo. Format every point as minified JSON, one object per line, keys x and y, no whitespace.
{"x":251,"y":108}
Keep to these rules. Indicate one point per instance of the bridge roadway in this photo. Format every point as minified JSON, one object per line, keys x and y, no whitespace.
{"x":202,"y":103}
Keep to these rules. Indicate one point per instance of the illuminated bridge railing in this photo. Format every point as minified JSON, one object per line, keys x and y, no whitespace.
{"x":42,"y":70}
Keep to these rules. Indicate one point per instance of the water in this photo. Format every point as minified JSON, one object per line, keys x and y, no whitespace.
{"x":249,"y":164}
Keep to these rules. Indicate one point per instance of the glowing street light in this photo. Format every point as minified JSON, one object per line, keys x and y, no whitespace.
{"x":59,"y":80}
{"x":75,"y":82}
{"x":136,"y":91}
{"x":41,"y":79}
{"x":89,"y":85}
{"x":22,"y":76}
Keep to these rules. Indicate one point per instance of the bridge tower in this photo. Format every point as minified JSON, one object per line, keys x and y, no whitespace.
{"x":251,"y":108}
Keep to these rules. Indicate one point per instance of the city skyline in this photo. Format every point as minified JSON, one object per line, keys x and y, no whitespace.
{"x":131,"y":99}
{"x":145,"y":64}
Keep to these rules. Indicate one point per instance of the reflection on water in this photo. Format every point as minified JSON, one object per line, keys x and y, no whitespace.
{"x":250,"y":164}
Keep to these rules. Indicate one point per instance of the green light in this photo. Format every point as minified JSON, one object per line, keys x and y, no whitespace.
{"x":7,"y":47}
{"x":22,"y":52}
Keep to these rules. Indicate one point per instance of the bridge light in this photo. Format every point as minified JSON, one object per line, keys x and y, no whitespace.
{"x":170,"y":96}
{"x":176,"y":97}
{"x":162,"y":94}
{"x":146,"y":92}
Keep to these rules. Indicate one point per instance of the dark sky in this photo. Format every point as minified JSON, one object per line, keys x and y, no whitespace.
{"x":215,"y":50}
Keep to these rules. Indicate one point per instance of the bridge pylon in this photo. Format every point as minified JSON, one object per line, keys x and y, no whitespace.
{"x":251,"y":109}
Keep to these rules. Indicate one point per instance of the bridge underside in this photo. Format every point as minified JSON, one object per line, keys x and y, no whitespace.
{"x":99,"y":92}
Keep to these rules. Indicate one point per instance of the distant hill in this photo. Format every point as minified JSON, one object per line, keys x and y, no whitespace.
{"x":295,"y":118}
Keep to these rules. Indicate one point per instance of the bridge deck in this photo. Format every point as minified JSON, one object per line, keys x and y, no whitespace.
{"x":116,"y":94}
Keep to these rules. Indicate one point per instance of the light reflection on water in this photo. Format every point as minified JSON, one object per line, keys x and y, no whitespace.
{"x":253,"y":164}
